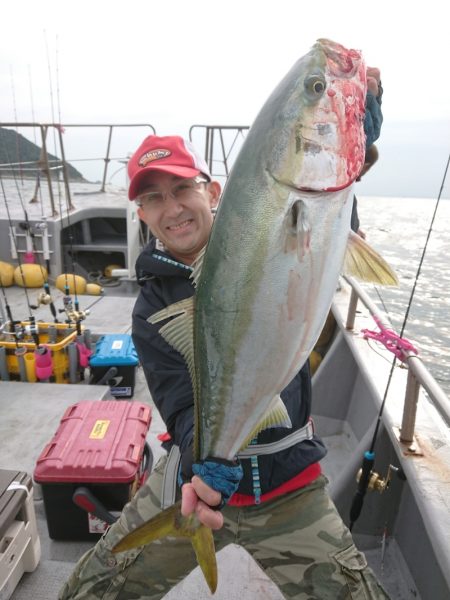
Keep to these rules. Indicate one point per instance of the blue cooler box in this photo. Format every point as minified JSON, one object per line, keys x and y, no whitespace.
{"x":114,"y":363}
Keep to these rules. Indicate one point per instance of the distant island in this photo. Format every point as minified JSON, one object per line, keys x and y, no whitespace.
{"x":15,"y":148}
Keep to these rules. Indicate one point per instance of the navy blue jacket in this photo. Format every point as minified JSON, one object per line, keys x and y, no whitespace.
{"x":164,"y":281}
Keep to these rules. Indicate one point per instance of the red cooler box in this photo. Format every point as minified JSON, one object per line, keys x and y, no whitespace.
{"x":96,"y":458}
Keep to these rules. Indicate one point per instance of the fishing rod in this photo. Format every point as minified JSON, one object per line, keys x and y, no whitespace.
{"x":10,"y":321}
{"x":33,"y":120}
{"x":33,"y":328}
{"x":32,"y":254}
{"x":15,"y":118}
{"x":369,"y":456}
{"x":72,"y":309}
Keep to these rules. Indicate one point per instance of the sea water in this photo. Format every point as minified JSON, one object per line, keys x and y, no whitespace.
{"x":398,"y":229}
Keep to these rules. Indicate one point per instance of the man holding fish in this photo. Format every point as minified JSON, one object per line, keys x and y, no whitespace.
{"x":224,"y":334}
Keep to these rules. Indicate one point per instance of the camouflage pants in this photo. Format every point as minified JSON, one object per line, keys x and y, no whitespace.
{"x":299,"y":540}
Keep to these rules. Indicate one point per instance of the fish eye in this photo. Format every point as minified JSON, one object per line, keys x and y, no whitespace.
{"x":315,"y":86}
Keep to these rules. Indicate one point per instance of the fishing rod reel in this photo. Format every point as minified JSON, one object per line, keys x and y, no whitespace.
{"x":379,"y":484}
{"x":7,"y":327}
{"x":43,"y":298}
{"x":23,"y":331}
{"x":74,"y":315}
{"x":33,"y":228}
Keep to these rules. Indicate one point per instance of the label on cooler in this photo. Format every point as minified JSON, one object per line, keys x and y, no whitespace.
{"x":99,"y":430}
{"x":97,"y":525}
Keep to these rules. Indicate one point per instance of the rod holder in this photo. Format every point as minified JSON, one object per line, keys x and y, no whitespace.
{"x":44,"y":363}
{"x":30,"y":367}
{"x":20,"y":353}
{"x":73,"y":362}
{"x":4,"y":373}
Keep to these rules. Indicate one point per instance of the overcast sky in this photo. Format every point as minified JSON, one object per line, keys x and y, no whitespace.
{"x":173,"y":63}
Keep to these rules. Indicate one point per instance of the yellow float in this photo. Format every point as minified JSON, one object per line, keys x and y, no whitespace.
{"x":94,"y":289}
{"x":110,"y":268}
{"x":314,"y":361}
{"x":30,"y":275}
{"x":75,"y":283}
{"x":6,"y":274}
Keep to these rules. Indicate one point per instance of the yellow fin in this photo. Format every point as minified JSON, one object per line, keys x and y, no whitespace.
{"x":363,"y":262}
{"x":172,"y":310}
{"x":170,"y":522}
{"x":203,"y":543}
{"x":275,"y":416}
{"x":197,"y":266}
{"x":179,"y":332}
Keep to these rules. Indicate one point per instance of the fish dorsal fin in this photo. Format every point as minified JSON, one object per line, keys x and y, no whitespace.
{"x":179,"y":332}
{"x":363,"y":262}
{"x":298,"y":229}
{"x":197,"y":266}
{"x":275,"y":416}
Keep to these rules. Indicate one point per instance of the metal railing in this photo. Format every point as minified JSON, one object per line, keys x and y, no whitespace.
{"x":221,"y":145}
{"x":46,"y":165}
{"x":418,"y":374}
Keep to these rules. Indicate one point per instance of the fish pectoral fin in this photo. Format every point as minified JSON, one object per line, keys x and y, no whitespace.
{"x":363,"y":262}
{"x":179,"y":332}
{"x":197,"y":266}
{"x":178,"y":308}
{"x":275,"y":416}
{"x":171,"y":522}
{"x":298,"y":229}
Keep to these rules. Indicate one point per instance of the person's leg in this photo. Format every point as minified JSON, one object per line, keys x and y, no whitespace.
{"x":302,"y":544}
{"x":144,"y":574}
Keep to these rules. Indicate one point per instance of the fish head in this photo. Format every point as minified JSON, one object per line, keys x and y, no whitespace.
{"x":321,"y":112}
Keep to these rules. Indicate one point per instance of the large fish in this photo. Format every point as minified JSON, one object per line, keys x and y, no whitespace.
{"x":266,"y":281}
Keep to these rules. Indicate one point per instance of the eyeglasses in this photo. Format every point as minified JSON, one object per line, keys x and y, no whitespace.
{"x":181,"y":190}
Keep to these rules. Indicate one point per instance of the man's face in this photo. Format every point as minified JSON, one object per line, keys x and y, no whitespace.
{"x":180,"y":216}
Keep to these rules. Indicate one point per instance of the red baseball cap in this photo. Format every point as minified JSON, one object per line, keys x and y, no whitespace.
{"x":169,"y":154}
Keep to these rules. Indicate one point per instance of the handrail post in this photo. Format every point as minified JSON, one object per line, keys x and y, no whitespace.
{"x":351,"y":314}
{"x":46,"y":167}
{"x":224,"y":154}
{"x":107,"y":159}
{"x":207,"y":146}
{"x":59,"y":128}
{"x":410,"y":408}
{"x":211,"y":149}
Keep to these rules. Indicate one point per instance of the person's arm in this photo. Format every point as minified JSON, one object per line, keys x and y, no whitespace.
{"x":165,"y":371}
{"x":373,"y":118}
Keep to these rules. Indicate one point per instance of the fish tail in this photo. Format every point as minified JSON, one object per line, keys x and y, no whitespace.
{"x":171,"y":522}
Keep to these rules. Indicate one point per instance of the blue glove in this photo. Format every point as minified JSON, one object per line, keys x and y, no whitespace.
{"x":221,"y":475}
{"x":373,"y":117}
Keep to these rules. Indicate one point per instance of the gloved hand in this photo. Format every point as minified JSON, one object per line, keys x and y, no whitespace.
{"x":219,"y":474}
